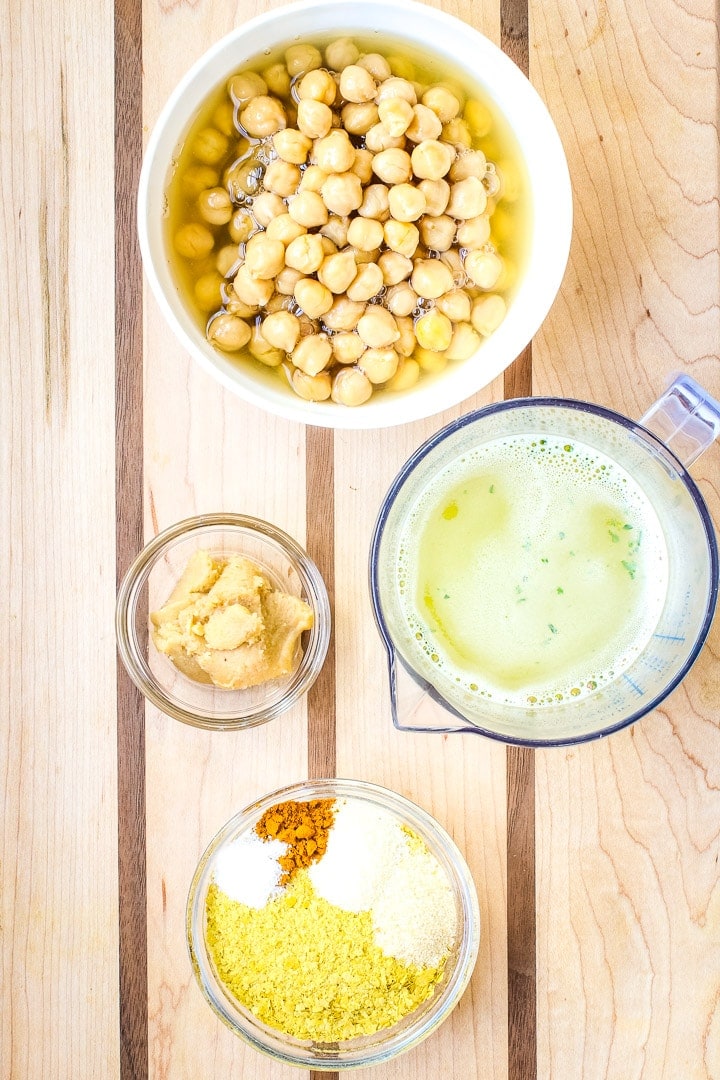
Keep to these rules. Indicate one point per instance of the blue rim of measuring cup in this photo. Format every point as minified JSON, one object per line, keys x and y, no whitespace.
{"x":393,"y":654}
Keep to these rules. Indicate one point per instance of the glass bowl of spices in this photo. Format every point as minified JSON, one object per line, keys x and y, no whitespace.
{"x":332,"y":924}
{"x":223,"y":621}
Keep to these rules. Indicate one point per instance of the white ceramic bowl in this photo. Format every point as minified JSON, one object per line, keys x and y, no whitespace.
{"x":468,"y":51}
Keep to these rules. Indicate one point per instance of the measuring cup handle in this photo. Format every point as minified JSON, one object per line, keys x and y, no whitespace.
{"x":686,"y":418}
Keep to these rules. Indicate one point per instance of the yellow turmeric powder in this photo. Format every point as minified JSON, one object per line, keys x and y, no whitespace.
{"x":304,"y":826}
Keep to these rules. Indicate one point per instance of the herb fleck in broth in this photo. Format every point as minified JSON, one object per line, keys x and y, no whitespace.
{"x":408,"y":336}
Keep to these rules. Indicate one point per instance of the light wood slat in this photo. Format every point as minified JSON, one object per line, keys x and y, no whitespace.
{"x":58,"y":823}
{"x":627,"y":831}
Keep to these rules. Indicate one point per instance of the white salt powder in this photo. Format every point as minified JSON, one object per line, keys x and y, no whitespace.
{"x":415,"y":918}
{"x":247,"y":870}
{"x":364,"y":845}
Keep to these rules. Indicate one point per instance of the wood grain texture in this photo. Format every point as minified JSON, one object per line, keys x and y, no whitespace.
{"x":129,"y":498}
{"x":58,"y":783}
{"x":627,"y":835}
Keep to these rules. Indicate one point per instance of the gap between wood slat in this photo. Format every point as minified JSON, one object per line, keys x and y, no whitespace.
{"x":132,"y":883}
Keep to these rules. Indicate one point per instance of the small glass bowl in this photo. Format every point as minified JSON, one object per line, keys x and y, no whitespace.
{"x":365,"y":1050}
{"x":152,"y":578}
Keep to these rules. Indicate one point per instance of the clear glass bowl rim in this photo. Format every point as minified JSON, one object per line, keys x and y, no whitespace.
{"x":451,"y":859}
{"x":131,"y":652}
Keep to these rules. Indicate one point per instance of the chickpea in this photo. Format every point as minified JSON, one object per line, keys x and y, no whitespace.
{"x":328,"y":244}
{"x":375,"y":203}
{"x":434,"y":331}
{"x":378,"y":138}
{"x":377,"y":327}
{"x":379,"y":364}
{"x":207,"y":290}
{"x":314,"y":118}
{"x":342,"y":193}
{"x":347,"y":347}
{"x":292,"y":145}
{"x":396,"y":115}
{"x":263,"y":351}
{"x":286,"y":281}
{"x":407,"y":342}
{"x":351,"y":387}
{"x":469,"y":163}
{"x":277,"y":79}
{"x":377,"y":65}
{"x":210,"y":146}
{"x":467,"y":198}
{"x":407,"y":203}
{"x":341,"y":53}
{"x":477,"y":117}
{"x":453,"y":260}
{"x":392,"y":166}
{"x":299,"y":59}
{"x":424,"y":125}
{"x":281,"y":330}
{"x":251,"y":290}
{"x":487,"y":313}
{"x":277,"y":302}
{"x":444,"y":104}
{"x":194,"y":241}
{"x":367,"y":283}
{"x":224,"y":118}
{"x":241,"y":226}
{"x":357,"y":84}
{"x":483,"y":268}
{"x":464,"y":342}
{"x":457,"y":133}
{"x":397,"y":88}
{"x":362,"y":165}
{"x":335,"y":153}
{"x":336,"y":229}
{"x":308,"y":209}
{"x":311,"y":387}
{"x":344,"y":314}
{"x":431,"y":278}
{"x":338,"y":271}
{"x":437,"y":233}
{"x":244,"y":87}
{"x":226,"y":260}
{"x":263,"y":116}
{"x":317,"y":85}
{"x":395,"y":267}
{"x":401,"y":236}
{"x":431,"y":160}
{"x":215,"y":206}
{"x":358,"y":117}
{"x":407,"y":374}
{"x":437,"y":196}
{"x":244,"y":178}
{"x":236,"y":306}
{"x":456,"y":304}
{"x":266,"y":207}
{"x":197,"y":178}
{"x":305,"y":253}
{"x":264,"y":258}
{"x":365,"y":233}
{"x":401,"y":299}
{"x":474,"y":232}
{"x":312,"y":353}
{"x":282,"y":178}
{"x":362,"y":258}
{"x":228,"y":332}
{"x":313,"y":297}
{"x":284,"y":228}
{"x":430,"y":362}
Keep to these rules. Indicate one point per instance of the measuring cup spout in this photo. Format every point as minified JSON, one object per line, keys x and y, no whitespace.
{"x":686,"y":418}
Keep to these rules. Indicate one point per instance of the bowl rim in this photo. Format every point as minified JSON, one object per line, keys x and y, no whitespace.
{"x":548,"y":249}
{"x":131,"y":650}
{"x":451,"y":859}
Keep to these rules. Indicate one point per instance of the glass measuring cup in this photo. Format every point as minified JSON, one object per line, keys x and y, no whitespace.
{"x":654,"y":453}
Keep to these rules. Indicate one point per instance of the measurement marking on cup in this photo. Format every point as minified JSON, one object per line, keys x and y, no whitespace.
{"x":634,"y":685}
{"x":669,"y":637}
